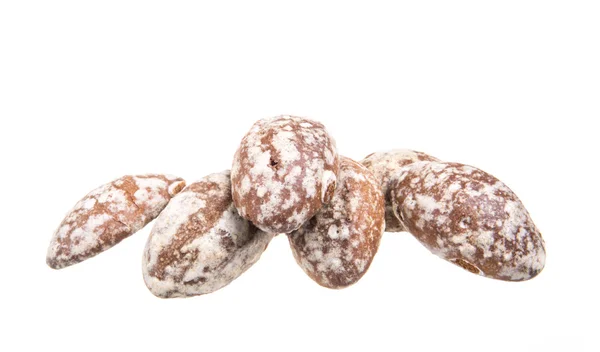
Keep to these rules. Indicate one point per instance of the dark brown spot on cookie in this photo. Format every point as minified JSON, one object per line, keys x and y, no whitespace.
{"x":226,"y":240}
{"x":178,"y":188}
{"x":195,"y":281}
{"x":465,"y":222}
{"x":273,"y":163}
{"x":466,"y":265}
{"x":329,"y":193}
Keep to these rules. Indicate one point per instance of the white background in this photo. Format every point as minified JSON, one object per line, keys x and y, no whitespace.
{"x":91,"y":91}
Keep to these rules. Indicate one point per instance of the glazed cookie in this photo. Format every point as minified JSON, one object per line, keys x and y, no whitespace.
{"x":335,"y":248}
{"x":469,"y":218}
{"x":283,"y":172}
{"x":109,"y":214}
{"x":383,"y":165}
{"x":200,"y":243}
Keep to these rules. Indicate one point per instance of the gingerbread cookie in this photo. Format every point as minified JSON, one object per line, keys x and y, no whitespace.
{"x":283,"y":172}
{"x":335,"y":248}
{"x":109,"y":214}
{"x":200,"y":243}
{"x":470,"y":218}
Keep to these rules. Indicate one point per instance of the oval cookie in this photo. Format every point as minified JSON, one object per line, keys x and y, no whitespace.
{"x":283,"y":172}
{"x":108,"y":214}
{"x":200,"y":243}
{"x":470,"y":218}
{"x":383,"y":165}
{"x":335,"y":248}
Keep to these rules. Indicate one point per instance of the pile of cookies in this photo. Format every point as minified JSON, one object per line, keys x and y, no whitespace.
{"x":287,"y":177}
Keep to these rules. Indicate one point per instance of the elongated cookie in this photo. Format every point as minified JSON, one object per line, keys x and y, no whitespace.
{"x":108,"y":214}
{"x":335,"y":248}
{"x":200,"y":243}
{"x":470,"y":218}
{"x":383,"y":165}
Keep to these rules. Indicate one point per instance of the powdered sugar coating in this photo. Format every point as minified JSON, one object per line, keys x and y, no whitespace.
{"x":200,"y":243}
{"x":468,"y":217}
{"x":335,"y":248}
{"x":385,"y":164}
{"x":108,"y":214}
{"x":283,"y":172}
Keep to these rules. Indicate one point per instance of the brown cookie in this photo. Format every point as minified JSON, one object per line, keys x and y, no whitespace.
{"x":283,"y":172}
{"x":383,"y":165}
{"x":109,"y":214}
{"x":200,"y":243}
{"x":335,"y":248}
{"x":470,"y":218}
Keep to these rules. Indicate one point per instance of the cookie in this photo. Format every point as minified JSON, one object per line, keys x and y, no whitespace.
{"x":109,"y":214}
{"x":200,"y":243}
{"x":283,"y":172}
{"x":335,"y":248}
{"x":383,"y":165}
{"x":470,"y":218}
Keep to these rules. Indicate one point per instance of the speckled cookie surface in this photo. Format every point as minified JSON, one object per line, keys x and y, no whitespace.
{"x":108,"y":214}
{"x":383,"y":165}
{"x":200,"y":243}
{"x":283,"y":172}
{"x":335,"y":248}
{"x":470,"y":218}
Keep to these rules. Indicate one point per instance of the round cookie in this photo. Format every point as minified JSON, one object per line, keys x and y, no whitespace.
{"x":283,"y":172}
{"x":200,"y":243}
{"x":470,"y":218}
{"x":335,"y":248}
{"x":109,"y":214}
{"x":383,"y":165}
